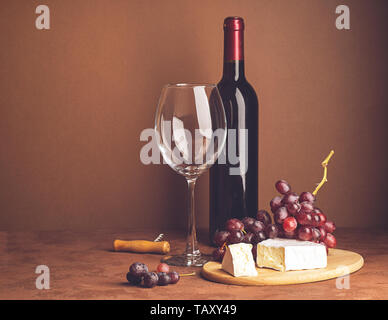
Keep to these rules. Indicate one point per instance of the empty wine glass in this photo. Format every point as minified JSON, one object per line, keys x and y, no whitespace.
{"x":190,"y":129}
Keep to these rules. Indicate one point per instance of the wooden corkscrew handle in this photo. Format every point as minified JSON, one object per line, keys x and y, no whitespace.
{"x":142,"y":246}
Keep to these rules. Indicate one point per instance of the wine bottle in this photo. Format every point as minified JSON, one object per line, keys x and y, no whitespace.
{"x":234,"y":184}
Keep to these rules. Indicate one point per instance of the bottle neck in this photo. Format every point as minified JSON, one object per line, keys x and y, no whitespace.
{"x":233,"y":55}
{"x":234,"y":70}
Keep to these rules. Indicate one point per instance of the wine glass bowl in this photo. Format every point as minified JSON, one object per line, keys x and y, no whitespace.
{"x":190,"y":125}
{"x":190,"y":129}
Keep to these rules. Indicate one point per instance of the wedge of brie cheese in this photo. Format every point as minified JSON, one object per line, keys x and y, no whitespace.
{"x":238,"y":260}
{"x":290,"y":254}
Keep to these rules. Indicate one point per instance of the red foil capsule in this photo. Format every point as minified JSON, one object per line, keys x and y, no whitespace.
{"x":234,"y":39}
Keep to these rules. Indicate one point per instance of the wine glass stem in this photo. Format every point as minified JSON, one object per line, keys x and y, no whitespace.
{"x":191,"y":246}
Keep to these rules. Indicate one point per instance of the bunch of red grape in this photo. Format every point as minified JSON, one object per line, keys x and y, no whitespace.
{"x":295,"y":217}
{"x":298,"y":218}
{"x":247,"y":230}
{"x":138,"y":275}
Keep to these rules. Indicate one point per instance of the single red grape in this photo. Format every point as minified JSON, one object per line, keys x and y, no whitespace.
{"x":247,"y":221}
{"x":163,"y":267}
{"x":234,"y":224}
{"x":293,"y":208}
{"x":235,"y":236}
{"x":220,"y":237}
{"x":258,"y":237}
{"x":134,"y":280}
{"x":138,"y":269}
{"x":163,"y":279}
{"x":174,"y":277}
{"x":290,"y":197}
{"x":276,"y":203}
{"x":264,"y":217}
{"x":305,"y":233}
{"x":329,"y":226}
{"x":307,"y":196}
{"x":316,"y":219}
{"x":323,"y":233}
{"x":272,"y":231}
{"x":282,"y":186}
{"x":330,"y":241}
{"x":322,"y":219}
{"x":304,"y":218}
{"x":150,"y":279}
{"x":218,"y":254}
{"x":290,"y":224}
{"x":280,"y":215}
{"x":289,"y":235}
{"x":306,"y":207}
{"x":316,"y":235}
{"x":256,"y":227}
{"x":247,"y":238}
{"x":318,"y":212}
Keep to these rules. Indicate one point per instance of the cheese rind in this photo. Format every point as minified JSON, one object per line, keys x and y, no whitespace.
{"x":238,"y":260}
{"x":290,"y":254}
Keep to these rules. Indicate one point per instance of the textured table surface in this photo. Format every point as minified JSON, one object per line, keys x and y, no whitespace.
{"x":83,"y":266}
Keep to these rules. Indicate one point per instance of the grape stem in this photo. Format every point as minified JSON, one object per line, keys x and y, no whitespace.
{"x":324,"y":179}
{"x":187,"y":274}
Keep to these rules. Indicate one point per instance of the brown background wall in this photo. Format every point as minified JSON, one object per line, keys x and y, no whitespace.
{"x":74,"y":100}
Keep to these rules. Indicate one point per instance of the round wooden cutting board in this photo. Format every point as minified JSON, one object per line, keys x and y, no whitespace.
{"x":339,"y":263}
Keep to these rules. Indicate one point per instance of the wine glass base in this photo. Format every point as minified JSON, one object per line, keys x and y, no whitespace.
{"x":184,"y":260}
